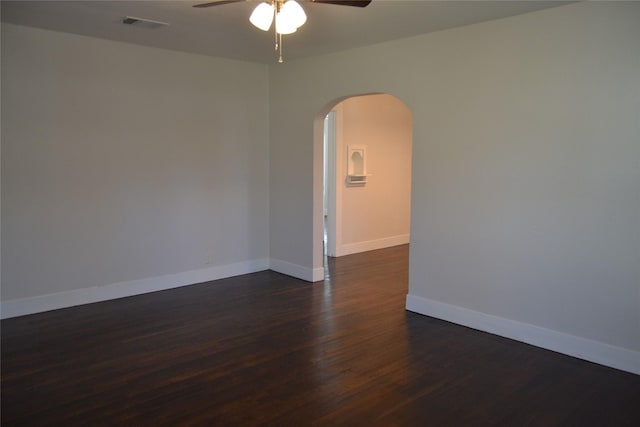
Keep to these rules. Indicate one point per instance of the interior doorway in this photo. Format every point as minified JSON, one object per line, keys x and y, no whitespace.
{"x":366,"y":175}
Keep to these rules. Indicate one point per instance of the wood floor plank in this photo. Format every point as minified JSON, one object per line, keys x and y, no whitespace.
{"x":268,"y":349}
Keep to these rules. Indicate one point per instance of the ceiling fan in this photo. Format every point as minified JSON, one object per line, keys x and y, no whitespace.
{"x":288,"y":15}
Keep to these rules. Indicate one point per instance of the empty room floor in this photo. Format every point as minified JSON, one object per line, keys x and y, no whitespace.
{"x":268,"y":349}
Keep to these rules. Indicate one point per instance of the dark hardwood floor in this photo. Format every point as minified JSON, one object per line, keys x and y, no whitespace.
{"x":267,"y":349}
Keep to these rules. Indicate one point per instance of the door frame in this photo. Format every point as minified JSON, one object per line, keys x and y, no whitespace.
{"x":332,"y":190}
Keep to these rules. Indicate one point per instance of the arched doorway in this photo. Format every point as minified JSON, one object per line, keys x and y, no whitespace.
{"x":371,"y":198}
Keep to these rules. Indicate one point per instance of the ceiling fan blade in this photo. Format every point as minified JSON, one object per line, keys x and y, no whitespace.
{"x":356,"y":3}
{"x":216,"y":3}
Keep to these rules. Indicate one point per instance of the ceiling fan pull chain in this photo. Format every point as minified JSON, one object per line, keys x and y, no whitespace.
{"x":276,"y":9}
{"x":275,"y":30}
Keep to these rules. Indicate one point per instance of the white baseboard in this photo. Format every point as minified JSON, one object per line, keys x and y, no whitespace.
{"x":372,"y":245}
{"x":37,"y":304}
{"x":296,"y":270}
{"x":593,"y":351}
{"x":318,"y":274}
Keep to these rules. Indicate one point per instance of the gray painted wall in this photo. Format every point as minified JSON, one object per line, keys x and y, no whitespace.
{"x":121,"y":162}
{"x":526,"y":200}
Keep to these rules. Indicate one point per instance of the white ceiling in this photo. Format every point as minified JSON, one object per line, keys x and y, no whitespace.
{"x":225,"y":30}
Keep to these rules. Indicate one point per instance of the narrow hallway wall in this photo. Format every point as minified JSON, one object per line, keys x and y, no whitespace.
{"x":376,"y":214}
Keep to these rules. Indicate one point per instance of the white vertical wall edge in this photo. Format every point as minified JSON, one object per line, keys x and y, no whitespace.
{"x":37,"y":304}
{"x":331,"y":189}
{"x":593,"y":351}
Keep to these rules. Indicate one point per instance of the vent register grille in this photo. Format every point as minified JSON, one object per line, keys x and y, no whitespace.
{"x":143,"y":23}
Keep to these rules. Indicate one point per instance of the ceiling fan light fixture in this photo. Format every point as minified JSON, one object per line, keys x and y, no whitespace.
{"x":293,"y":12}
{"x":262,"y":16}
{"x":283,"y":26}
{"x":289,"y":15}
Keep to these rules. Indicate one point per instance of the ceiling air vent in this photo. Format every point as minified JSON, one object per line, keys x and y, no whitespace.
{"x":144,"y":23}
